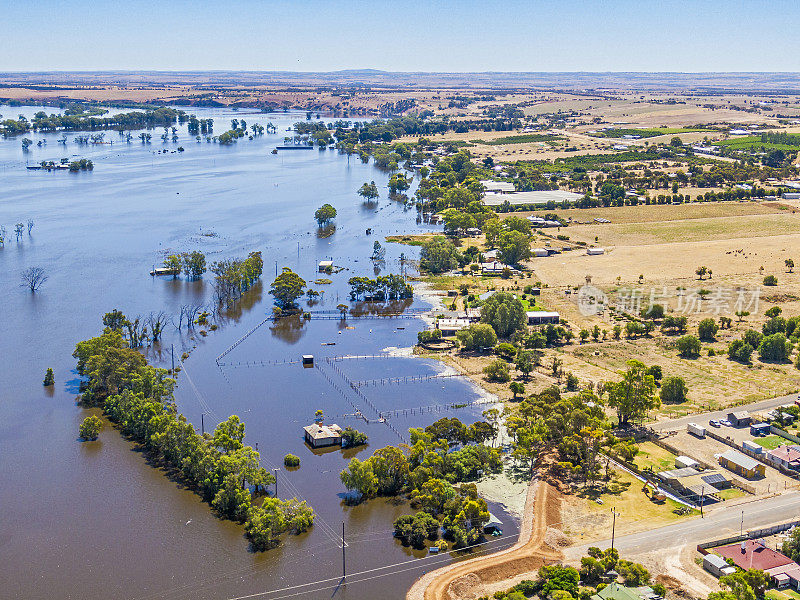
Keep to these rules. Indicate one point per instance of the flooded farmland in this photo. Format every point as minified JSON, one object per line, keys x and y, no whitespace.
{"x":95,"y":520}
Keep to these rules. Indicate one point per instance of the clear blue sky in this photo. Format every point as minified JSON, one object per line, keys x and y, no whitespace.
{"x":405,"y":35}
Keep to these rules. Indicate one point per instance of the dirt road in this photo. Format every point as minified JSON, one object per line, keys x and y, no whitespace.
{"x":528,"y":554}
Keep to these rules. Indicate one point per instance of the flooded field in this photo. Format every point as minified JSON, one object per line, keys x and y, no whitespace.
{"x":96,"y":521}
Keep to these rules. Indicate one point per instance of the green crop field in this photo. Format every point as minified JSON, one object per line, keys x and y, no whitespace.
{"x":645,"y":133}
{"x":528,"y":138}
{"x":753,"y":142}
{"x":770,"y":442}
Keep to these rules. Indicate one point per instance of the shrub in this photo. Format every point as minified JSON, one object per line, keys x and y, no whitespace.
{"x":572,"y":383}
{"x":774,"y":348}
{"x":429,"y":335}
{"x":475,"y":336}
{"x":770,"y":280}
{"x":688,"y":346}
{"x":351,"y":437}
{"x":752,"y":337}
{"x":707,"y":329}
{"x":673,"y":390}
{"x":498,"y":371}
{"x":505,"y":350}
{"x":49,"y":378}
{"x":740,"y":351}
{"x":90,"y":427}
{"x":656,"y":372}
{"x":290,"y":460}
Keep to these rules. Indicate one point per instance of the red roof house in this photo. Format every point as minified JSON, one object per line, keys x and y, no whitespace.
{"x":753,"y":554}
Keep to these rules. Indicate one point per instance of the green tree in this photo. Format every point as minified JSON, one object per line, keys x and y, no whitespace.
{"x":479,"y":335}
{"x":90,"y":427}
{"x":438,"y":255}
{"x":634,"y":395}
{"x":707,"y":330}
{"x":290,"y":460}
{"x":770,"y":280}
{"x":325,"y":214}
{"x":492,"y":229}
{"x":740,"y":351}
{"x":193,"y":264}
{"x":359,"y":477}
{"x":688,"y":346}
{"x":369,"y":191}
{"x":49,"y":378}
{"x":287,"y":288}
{"x":352,"y":437}
{"x":498,"y":371}
{"x":517,"y":388}
{"x":525,"y":363}
{"x":775,"y":348}
{"x":673,"y":390}
{"x":514,"y":247}
{"x":174,"y":264}
{"x":789,"y":264}
{"x":504,"y":313}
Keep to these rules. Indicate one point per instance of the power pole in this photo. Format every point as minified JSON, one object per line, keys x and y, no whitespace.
{"x":702,"y":499}
{"x":613,"y":526}
{"x":202,"y":423}
{"x":172,"y":352}
{"x":276,"y":481}
{"x":344,"y":566}
{"x":741,"y":527}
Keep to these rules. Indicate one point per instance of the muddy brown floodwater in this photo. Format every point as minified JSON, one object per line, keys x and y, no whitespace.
{"x":93,"y":521}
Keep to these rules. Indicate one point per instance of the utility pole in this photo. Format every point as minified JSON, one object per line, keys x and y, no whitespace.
{"x":172,"y":352}
{"x":202,"y":423}
{"x":741,"y":527}
{"x":344,"y":569}
{"x":613,"y":526}
{"x":702,"y":499}
{"x":276,"y":481}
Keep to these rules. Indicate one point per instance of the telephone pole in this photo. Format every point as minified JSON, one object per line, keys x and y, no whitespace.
{"x":276,"y":481}
{"x":613,"y":526}
{"x":344,"y":564}
{"x":202,"y":423}
{"x":172,"y":353}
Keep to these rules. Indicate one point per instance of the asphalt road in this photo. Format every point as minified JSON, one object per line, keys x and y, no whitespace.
{"x":719,"y":522}
{"x":704,"y":418}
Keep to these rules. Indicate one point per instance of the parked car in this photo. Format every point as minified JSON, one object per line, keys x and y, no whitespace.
{"x":725,"y":422}
{"x":714,"y":423}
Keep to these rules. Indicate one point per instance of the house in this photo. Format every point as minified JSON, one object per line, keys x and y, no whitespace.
{"x":785,"y":575}
{"x":495,"y":268}
{"x":759,"y":429}
{"x":320,"y":436}
{"x":449,"y":327}
{"x":325,"y":266}
{"x":786,"y":456}
{"x":474,"y":314}
{"x":753,"y":554}
{"x":717,"y":566}
{"x":617,"y":591}
{"x":739,"y":418}
{"x":742,"y":465}
{"x":542,"y":317}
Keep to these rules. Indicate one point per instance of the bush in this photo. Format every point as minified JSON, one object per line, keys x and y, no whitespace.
{"x":752,"y":337}
{"x":656,"y":372}
{"x":770,"y":280}
{"x":49,"y":378}
{"x":477,"y":336}
{"x":429,"y":335}
{"x":290,"y":460}
{"x":572,"y":383}
{"x":498,"y":371}
{"x":775,"y":348}
{"x":673,"y":390}
{"x":90,"y":427}
{"x":352,"y":437}
{"x":688,"y":346}
{"x":740,"y":351}
{"x":707,"y":330}
{"x":505,"y":350}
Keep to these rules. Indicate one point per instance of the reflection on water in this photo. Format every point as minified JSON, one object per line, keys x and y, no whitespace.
{"x":98,"y":235}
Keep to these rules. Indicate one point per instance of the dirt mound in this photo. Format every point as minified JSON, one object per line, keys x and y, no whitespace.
{"x":468,"y":587}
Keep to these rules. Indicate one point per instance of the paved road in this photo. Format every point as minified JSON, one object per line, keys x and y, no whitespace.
{"x":704,"y":418}
{"x":718,"y":523}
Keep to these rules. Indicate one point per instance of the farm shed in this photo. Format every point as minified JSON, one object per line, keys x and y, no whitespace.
{"x":498,"y":187}
{"x":742,"y":465}
{"x":541,"y":317}
{"x":324,"y":265}
{"x":595,"y":251}
{"x":752,"y":447}
{"x":684,"y":461}
{"x":539,"y":252}
{"x":759,"y":429}
{"x":717,"y":566}
{"x":495,"y":268}
{"x":739,"y":418}
{"x":320,"y":436}
{"x":786,"y":575}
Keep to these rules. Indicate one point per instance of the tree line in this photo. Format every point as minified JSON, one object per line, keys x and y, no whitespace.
{"x":139,"y":399}
{"x":148,"y":119}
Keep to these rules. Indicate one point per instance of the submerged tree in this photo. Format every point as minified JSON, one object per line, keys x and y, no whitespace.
{"x":325,"y":214}
{"x":369,"y":191}
{"x":33,"y":278}
{"x":90,"y":428}
{"x":287,"y":288}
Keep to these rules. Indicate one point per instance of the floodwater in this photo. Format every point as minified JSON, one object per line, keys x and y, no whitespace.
{"x":95,"y":520}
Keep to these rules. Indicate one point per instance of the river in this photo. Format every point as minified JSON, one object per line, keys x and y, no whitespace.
{"x":95,"y":520}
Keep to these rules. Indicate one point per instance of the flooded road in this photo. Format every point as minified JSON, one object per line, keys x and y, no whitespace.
{"x":95,"y":520}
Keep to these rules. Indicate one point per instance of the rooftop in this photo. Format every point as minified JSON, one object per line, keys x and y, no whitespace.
{"x":755,"y":555}
{"x":785,"y":453}
{"x":740,"y":459}
{"x":536,"y":197}
{"x":319,"y":431}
